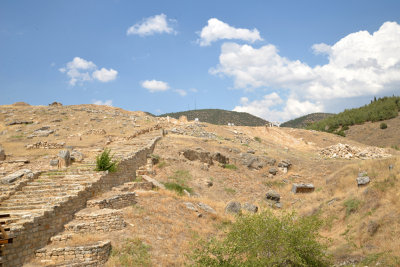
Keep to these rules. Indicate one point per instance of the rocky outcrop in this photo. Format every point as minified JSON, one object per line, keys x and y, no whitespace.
{"x":346,"y":151}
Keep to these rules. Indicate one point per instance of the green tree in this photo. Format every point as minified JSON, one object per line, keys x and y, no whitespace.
{"x":266,"y":240}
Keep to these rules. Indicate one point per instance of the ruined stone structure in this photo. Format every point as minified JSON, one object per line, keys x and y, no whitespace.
{"x":41,"y":206}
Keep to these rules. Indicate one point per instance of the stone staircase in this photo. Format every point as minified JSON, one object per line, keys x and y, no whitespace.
{"x":41,"y":206}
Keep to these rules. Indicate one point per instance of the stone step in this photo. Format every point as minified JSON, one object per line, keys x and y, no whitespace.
{"x":44,"y":192}
{"x":36,"y":201}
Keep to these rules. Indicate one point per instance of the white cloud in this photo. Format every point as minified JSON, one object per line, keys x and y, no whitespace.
{"x":105,"y":103}
{"x":155,"y":86}
{"x":180,"y":92}
{"x":194,"y":90}
{"x":360,"y":64}
{"x":81,"y":70}
{"x":217,"y":30}
{"x":105,"y":75}
{"x":152,"y":25}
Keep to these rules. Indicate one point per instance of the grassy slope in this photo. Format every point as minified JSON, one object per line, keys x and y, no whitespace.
{"x":304,"y":121}
{"x":220,"y":117}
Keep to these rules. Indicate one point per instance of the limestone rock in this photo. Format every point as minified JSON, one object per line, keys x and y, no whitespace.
{"x":206,"y":208}
{"x":363,"y":180}
{"x":250,"y":207}
{"x":273,"y":171}
{"x":76,"y":156}
{"x":255,"y":162}
{"x":273,"y":195}
{"x":233,"y":207}
{"x":11,"y":178}
{"x":302,"y":188}
{"x":200,"y":155}
{"x":372,"y":227}
{"x":217,"y":156}
{"x":54,"y":162}
{"x":65,"y":157}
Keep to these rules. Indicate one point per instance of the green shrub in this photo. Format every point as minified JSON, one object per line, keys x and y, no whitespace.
{"x":229,"y":166}
{"x":177,"y":182}
{"x":383,"y":125}
{"x":132,"y":253}
{"x":351,"y":205}
{"x":177,"y":187}
{"x":258,"y":139}
{"x":104,"y":162}
{"x":266,"y":240}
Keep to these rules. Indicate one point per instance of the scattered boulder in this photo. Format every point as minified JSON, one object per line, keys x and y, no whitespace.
{"x":76,"y":156}
{"x":190,"y":206}
{"x":346,"y":151}
{"x":2,"y":154}
{"x":250,"y":207}
{"x":273,"y":171}
{"x":284,"y":165}
{"x":217,"y":156}
{"x":273,"y":195}
{"x":206,"y":208}
{"x":11,"y":178}
{"x":363,"y":180}
{"x":233,"y":207}
{"x":200,"y":155}
{"x":65,"y":157}
{"x":255,"y":162}
{"x":251,"y":151}
{"x":54,"y":162}
{"x":209,"y":183}
{"x":41,"y":132}
{"x":303,"y":188}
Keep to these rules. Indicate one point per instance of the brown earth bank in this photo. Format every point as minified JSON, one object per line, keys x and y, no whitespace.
{"x":215,"y":165}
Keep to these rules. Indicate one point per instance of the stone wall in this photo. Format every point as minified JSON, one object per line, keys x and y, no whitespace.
{"x":36,"y":233}
{"x":85,"y":256}
{"x":96,"y":220}
{"x":124,"y":199}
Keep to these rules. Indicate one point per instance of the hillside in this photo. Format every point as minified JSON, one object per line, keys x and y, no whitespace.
{"x":379,"y":109}
{"x":304,"y":121}
{"x":215,"y":164}
{"x":219,"y":117}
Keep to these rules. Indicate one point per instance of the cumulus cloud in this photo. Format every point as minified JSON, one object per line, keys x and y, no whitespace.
{"x":81,"y":70}
{"x":180,"y":92}
{"x":217,"y":30}
{"x":155,"y":86}
{"x":104,"y":75}
{"x":360,"y":64}
{"x":152,"y":25}
{"x":104,"y":103}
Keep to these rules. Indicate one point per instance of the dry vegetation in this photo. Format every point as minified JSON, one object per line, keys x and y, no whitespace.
{"x":361,"y":222}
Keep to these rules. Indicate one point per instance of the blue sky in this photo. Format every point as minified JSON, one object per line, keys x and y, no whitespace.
{"x":275,"y":59}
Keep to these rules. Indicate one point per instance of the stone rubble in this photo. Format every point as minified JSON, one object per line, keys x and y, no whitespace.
{"x":345,"y":151}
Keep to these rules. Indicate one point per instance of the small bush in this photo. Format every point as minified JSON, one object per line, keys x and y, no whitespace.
{"x":177,"y":182}
{"x":258,"y":139}
{"x":132,"y":253}
{"x":229,"y":166}
{"x":266,"y":240}
{"x":351,"y":205}
{"x":104,"y":162}
{"x":177,"y":187}
{"x":383,"y":125}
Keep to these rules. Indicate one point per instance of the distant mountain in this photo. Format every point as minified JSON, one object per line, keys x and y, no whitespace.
{"x":304,"y":121}
{"x":219,"y":117}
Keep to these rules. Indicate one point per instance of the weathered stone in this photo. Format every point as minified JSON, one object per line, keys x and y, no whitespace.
{"x":273,"y":195}
{"x":11,"y":178}
{"x":190,"y":206}
{"x":2,"y":154}
{"x":255,"y":162}
{"x":217,"y":156}
{"x":303,"y":188}
{"x":77,"y":156}
{"x":153,"y":181}
{"x":285,"y":164}
{"x":65,"y":157}
{"x":200,"y":155}
{"x":206,"y":208}
{"x":16,"y":122}
{"x":54,"y":162}
{"x":233,"y":207}
{"x":364,"y":180}
{"x":250,"y":207}
{"x":273,"y":171}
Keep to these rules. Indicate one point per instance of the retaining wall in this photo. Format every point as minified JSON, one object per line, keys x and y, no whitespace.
{"x":35,"y":234}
